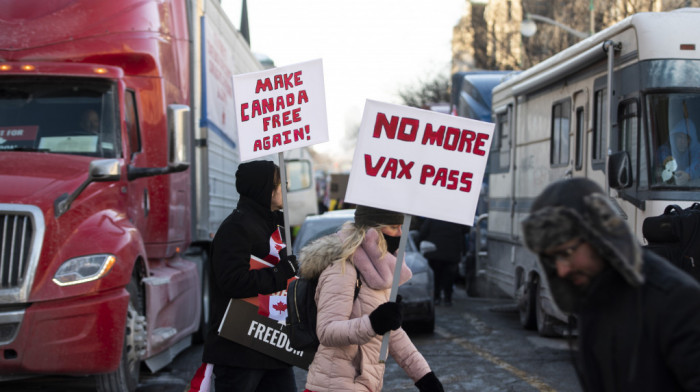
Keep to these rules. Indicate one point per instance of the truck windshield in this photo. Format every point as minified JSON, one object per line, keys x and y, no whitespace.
{"x":675,"y":154}
{"x":59,"y":115}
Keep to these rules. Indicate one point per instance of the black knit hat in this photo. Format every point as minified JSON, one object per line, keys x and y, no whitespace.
{"x":370,"y":216}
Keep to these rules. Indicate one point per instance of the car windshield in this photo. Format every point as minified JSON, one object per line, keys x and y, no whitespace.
{"x":675,"y":152}
{"x":59,"y":115}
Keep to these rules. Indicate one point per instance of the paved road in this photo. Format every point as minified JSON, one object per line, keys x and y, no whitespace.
{"x":478,"y":345}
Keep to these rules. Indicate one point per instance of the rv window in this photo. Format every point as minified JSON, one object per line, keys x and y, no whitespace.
{"x":499,"y":158}
{"x":298,"y":175}
{"x":675,"y":147}
{"x":579,"y":137}
{"x":628,"y":119}
{"x":559,"y":141}
{"x":599,"y":129}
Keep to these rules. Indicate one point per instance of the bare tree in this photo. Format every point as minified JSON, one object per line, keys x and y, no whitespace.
{"x":426,"y":92}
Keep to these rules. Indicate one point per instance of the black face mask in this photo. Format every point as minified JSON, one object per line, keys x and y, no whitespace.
{"x":392,"y":243}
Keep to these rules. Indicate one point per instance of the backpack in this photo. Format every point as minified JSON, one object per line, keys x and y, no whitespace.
{"x":301,"y":312}
{"x":675,"y":235}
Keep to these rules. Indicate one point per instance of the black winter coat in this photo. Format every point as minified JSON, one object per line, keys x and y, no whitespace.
{"x":448,"y":237}
{"x":245,"y":231}
{"x":641,"y":339}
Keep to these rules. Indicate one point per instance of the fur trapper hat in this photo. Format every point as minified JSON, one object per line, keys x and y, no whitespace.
{"x":578,"y":208}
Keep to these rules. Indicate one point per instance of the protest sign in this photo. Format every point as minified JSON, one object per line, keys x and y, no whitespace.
{"x":259,"y":323}
{"x":280,"y":109}
{"x":419,"y":162}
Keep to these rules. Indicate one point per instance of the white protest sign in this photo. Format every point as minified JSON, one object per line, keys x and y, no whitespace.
{"x":280,"y":109}
{"x":419,"y":162}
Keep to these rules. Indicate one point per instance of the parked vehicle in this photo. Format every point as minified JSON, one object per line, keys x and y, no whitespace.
{"x":417,"y":304}
{"x":599,"y":109}
{"x":104,"y":229}
{"x":471,"y":98}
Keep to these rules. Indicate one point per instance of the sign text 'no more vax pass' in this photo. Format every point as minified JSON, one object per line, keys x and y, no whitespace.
{"x":419,"y":162}
{"x":280,"y":109}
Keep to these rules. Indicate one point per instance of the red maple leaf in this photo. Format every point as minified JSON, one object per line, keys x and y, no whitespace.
{"x":280,"y":306}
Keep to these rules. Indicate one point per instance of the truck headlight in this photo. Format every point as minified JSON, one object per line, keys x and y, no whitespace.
{"x":83,"y":269}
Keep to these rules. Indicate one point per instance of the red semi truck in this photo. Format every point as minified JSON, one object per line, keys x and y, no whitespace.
{"x":116,"y":167}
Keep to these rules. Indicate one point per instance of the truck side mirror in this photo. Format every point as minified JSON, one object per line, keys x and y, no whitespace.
{"x":178,"y":135}
{"x":104,"y":170}
{"x":100,"y":170}
{"x":619,"y":170}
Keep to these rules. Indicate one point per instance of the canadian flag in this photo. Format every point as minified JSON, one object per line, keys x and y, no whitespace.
{"x":276,"y":245}
{"x":273,"y":306}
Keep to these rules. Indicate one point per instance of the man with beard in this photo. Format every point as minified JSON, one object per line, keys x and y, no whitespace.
{"x":638,"y":315}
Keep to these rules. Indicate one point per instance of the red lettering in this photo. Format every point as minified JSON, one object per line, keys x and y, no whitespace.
{"x":286,"y":134}
{"x":266,"y":142}
{"x":303,"y":97}
{"x":276,"y":140}
{"x":480,"y":143}
{"x":433,"y":137}
{"x":256,"y":108}
{"x":290,"y":99}
{"x":390,"y":168}
{"x":268,"y":105}
{"x":288,"y":81}
{"x":466,"y":180}
{"x":452,"y":179}
{"x":451,"y":139}
{"x":279,"y":81}
{"x":297,"y":78}
{"x":426,"y":172}
{"x":440,"y":177}
{"x":410,"y":136}
{"x":299,"y":134}
{"x":373,"y":170}
{"x":263,"y":85}
{"x":257,"y":145}
{"x":296,"y":117}
{"x":382,"y":123}
{"x":279,"y":103}
{"x":244,"y":117}
{"x":405,"y":169}
{"x":465,"y":142}
{"x":266,"y":123}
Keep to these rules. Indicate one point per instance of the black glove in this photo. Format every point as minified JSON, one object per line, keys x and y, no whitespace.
{"x":288,"y":264}
{"x":387,"y":317}
{"x":429,"y":383}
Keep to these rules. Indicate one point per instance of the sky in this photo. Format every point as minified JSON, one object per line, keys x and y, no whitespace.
{"x":370,"y":49}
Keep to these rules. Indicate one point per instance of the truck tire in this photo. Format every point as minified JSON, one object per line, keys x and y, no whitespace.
{"x":527,"y":300}
{"x":126,"y":377}
{"x":545,"y":322}
{"x":205,"y":315}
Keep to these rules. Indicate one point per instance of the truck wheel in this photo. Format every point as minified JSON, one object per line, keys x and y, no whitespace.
{"x":545,"y":322}
{"x":204,"y":316}
{"x":126,"y":377}
{"x":526,"y":304}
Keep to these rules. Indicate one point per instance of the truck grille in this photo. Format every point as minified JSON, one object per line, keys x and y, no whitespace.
{"x":16,"y":231}
{"x":21,"y":236}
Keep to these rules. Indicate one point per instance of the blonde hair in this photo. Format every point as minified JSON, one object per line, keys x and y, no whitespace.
{"x":356,"y":235}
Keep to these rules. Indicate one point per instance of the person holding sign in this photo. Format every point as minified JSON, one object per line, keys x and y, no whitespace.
{"x":349,"y":329}
{"x":250,"y":229}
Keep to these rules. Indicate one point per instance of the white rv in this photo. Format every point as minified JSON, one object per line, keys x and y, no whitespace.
{"x":603,"y":109}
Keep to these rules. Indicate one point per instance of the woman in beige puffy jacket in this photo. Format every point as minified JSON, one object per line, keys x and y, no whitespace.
{"x":350,"y":330}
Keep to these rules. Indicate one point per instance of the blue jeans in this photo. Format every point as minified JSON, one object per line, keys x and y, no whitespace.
{"x":232,"y":379}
